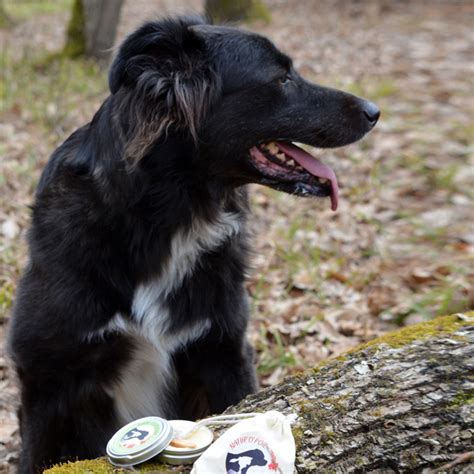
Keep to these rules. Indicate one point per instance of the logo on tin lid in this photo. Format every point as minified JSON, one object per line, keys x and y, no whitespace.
{"x":137,"y":436}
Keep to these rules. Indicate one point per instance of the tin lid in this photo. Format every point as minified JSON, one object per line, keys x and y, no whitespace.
{"x":139,"y":441}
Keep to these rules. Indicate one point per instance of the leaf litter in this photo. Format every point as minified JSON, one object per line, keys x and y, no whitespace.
{"x":400,"y":248}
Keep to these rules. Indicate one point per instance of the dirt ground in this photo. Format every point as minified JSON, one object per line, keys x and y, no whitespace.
{"x":400,"y":247}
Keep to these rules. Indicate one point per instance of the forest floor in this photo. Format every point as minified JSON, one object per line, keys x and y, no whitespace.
{"x":400,"y":247}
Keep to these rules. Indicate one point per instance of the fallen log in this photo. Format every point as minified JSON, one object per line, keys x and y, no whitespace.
{"x":400,"y":403}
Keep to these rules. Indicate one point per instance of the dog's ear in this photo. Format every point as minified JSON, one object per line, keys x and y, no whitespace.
{"x":159,"y":39}
{"x":165,"y":64}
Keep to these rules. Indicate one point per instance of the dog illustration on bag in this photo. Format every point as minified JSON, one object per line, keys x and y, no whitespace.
{"x":240,"y":463}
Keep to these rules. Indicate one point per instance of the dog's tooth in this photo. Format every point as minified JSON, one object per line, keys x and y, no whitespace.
{"x":323,"y":180}
{"x":272,"y":148}
{"x":291,"y":162}
{"x":281,"y":155}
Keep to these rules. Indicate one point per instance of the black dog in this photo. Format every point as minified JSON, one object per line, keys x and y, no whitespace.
{"x":133,"y":302}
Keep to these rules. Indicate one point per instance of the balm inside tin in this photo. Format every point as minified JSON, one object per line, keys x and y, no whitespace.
{"x":139,"y":441}
{"x":201,"y":438}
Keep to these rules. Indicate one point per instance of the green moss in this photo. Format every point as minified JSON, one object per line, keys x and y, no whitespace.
{"x":336,"y":402}
{"x":97,"y":466}
{"x":436,"y":327}
{"x":463,"y":398}
{"x":335,"y":364}
{"x":102,"y":466}
{"x":76,"y":38}
{"x":411,"y":460}
{"x":377,"y":412}
{"x":314,"y":420}
{"x":299,"y":435}
{"x":327,"y":435}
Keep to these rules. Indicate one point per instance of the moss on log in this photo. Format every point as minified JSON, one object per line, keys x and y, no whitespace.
{"x":401,"y":403}
{"x":102,"y":466}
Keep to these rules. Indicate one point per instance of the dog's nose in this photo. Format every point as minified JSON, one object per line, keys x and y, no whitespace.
{"x":371,"y":112}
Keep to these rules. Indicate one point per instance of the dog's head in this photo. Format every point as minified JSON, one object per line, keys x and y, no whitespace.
{"x":240,"y":102}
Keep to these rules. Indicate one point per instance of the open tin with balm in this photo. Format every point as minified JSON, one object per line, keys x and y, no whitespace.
{"x":189,"y":441}
{"x":174,"y":441}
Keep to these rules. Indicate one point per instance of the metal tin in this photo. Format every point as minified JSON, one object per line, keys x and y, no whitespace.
{"x":203,"y":438}
{"x":181,"y":459}
{"x":139,"y":441}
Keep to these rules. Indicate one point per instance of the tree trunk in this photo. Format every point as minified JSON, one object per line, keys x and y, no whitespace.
{"x":235,"y":10}
{"x":401,"y":403}
{"x":5,"y":20}
{"x":102,"y":17}
{"x":92,"y":28}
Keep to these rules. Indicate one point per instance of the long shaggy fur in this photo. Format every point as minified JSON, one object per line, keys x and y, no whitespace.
{"x":133,"y":301}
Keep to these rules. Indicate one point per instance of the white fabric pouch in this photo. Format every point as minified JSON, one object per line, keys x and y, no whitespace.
{"x":262,"y":444}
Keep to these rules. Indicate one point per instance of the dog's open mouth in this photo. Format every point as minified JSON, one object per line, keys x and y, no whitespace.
{"x":288,"y":168}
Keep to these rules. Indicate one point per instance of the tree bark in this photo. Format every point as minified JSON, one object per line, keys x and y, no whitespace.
{"x":401,"y":403}
{"x":92,"y":28}
{"x":236,"y":10}
{"x":102,"y":17}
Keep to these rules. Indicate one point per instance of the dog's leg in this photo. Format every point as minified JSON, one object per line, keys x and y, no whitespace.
{"x":65,"y":367}
{"x":63,"y":419}
{"x":228,"y":373}
{"x":214,"y":373}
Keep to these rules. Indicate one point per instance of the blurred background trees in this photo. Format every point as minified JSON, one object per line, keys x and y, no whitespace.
{"x":92,"y":28}
{"x":93,"y":25}
{"x":235,"y":10}
{"x":5,"y":20}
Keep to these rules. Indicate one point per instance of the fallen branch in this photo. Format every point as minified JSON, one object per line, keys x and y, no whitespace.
{"x":403,"y":402}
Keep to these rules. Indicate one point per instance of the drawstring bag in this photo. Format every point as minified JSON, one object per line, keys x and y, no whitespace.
{"x":261,"y":444}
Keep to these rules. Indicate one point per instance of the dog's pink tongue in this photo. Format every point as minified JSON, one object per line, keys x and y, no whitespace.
{"x":314,"y":166}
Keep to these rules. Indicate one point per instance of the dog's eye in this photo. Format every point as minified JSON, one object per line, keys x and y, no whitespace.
{"x":285,"y":79}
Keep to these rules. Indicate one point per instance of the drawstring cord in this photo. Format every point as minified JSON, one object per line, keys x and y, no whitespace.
{"x":216,"y":420}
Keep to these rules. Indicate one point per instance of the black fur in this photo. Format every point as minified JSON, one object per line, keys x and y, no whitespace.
{"x":169,"y":147}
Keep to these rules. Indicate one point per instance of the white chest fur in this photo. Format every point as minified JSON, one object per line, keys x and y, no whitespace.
{"x":146,"y":381}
